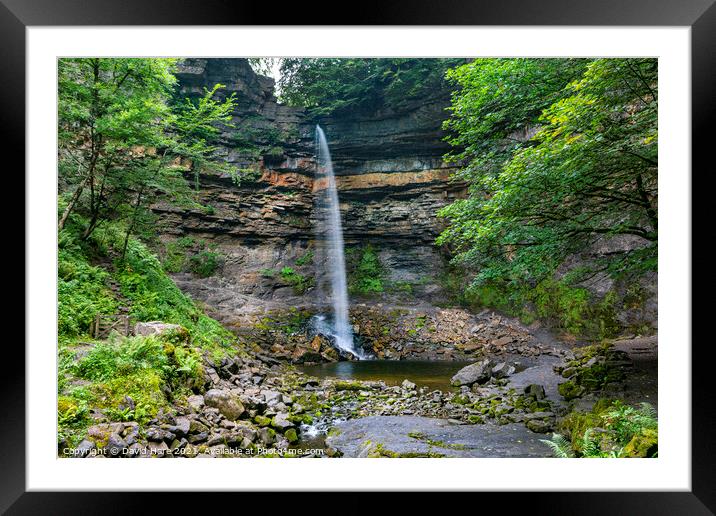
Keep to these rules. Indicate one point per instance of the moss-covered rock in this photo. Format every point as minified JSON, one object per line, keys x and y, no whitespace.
{"x":291,"y":435}
{"x":570,"y":390}
{"x":644,"y":444}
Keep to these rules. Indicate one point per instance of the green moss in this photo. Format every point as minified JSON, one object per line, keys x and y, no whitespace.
{"x":610,"y":429}
{"x":570,"y":390}
{"x":343,"y":385}
{"x":643,"y":444}
{"x":291,"y":435}
{"x":262,"y":420}
{"x":305,"y":259}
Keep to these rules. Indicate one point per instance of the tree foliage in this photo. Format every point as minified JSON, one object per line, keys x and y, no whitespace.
{"x":589,"y":172}
{"x":327,"y":85}
{"x":123,"y":137}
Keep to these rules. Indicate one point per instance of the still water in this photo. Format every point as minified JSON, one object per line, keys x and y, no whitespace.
{"x":424,"y":373}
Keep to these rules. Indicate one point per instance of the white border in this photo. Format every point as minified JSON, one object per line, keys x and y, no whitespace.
{"x":670,"y":471}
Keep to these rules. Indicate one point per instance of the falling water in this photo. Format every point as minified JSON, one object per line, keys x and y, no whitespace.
{"x":329,"y":240}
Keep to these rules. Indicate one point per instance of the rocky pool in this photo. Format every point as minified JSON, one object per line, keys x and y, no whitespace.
{"x":432,"y":374}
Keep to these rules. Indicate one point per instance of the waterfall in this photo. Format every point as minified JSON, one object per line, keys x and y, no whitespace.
{"x":331,"y":264}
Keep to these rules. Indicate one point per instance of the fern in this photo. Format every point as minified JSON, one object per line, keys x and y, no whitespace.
{"x":560,"y":446}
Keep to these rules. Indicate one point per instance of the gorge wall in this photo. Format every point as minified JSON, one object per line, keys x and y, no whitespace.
{"x":390,"y":176}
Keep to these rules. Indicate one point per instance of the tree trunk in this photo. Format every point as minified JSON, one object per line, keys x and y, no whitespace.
{"x":71,"y":204}
{"x":137,"y":205}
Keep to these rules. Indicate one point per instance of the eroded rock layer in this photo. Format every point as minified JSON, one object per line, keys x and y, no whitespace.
{"x":390,"y":176}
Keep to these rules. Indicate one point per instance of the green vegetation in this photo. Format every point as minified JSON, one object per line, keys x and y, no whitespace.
{"x":187,"y":254}
{"x":139,"y":279}
{"x":328,"y":86}
{"x":565,"y":305}
{"x":127,"y":379}
{"x":299,"y":282}
{"x":612,"y":429}
{"x":560,"y":154}
{"x":124,"y":139}
{"x":365,"y":276}
{"x":205,"y":263}
{"x":305,"y":259}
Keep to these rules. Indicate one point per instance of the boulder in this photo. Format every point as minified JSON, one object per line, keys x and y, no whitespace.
{"x":154,"y":328}
{"x":474,"y":373}
{"x":539,"y":426}
{"x":535,"y":391}
{"x":226,"y":402}
{"x":502,"y":370}
{"x":196,"y":402}
{"x":115,"y":445}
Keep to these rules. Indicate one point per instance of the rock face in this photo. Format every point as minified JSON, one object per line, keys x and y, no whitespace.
{"x":390,"y":177}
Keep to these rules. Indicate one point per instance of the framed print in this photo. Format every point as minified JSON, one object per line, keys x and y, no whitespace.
{"x":431,"y":239}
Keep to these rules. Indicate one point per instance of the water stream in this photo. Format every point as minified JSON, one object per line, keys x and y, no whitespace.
{"x":331,"y":274}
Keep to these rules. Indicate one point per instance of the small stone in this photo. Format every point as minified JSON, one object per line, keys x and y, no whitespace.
{"x":181,"y":428}
{"x":266,"y":436}
{"x":84,"y":448}
{"x":408,"y":385}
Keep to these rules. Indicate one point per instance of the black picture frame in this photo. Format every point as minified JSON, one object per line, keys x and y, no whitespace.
{"x":700,"y":15}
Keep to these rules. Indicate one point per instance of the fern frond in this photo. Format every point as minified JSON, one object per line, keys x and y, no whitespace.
{"x":560,"y":446}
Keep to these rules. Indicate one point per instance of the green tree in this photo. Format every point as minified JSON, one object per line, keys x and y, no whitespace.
{"x":124,"y":137}
{"x":589,"y":172}
{"x":327,"y":85}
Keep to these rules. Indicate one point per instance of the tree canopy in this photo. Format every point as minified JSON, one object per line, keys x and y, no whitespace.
{"x":588,"y":171}
{"x":328,"y":85}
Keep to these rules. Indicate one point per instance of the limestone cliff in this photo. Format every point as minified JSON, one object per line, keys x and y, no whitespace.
{"x":390,"y":176}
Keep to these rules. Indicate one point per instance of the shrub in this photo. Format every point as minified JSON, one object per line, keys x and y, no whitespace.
{"x":205,"y":263}
{"x":299,"y":282}
{"x":367,"y":277}
{"x":175,"y":254}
